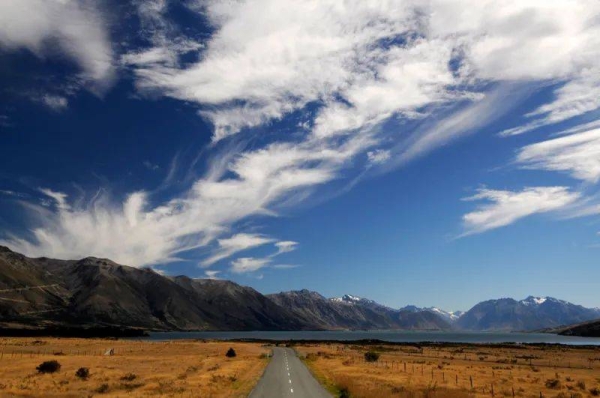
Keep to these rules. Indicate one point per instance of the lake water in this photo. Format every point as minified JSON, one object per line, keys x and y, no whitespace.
{"x":391,"y":336}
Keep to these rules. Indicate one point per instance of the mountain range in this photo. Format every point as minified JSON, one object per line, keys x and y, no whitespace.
{"x":95,"y":292}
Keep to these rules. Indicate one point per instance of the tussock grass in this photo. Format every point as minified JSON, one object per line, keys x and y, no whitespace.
{"x":138,"y":368}
{"x":455,"y":371}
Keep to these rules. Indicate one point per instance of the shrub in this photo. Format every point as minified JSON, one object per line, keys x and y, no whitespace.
{"x":230,"y":353}
{"x":83,"y":373}
{"x":344,"y":393}
{"x":595,"y":391}
{"x":102,"y":388}
{"x":129,"y":377}
{"x":553,"y":383}
{"x":581,"y":384}
{"x":48,"y":367}
{"x":371,"y":356}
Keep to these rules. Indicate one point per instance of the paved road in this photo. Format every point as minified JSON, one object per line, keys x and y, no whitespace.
{"x":286,"y":376}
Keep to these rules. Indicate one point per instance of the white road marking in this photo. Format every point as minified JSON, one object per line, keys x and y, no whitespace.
{"x":292,"y":390}
{"x":290,"y":381}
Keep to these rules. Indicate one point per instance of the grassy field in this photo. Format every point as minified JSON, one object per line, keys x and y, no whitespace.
{"x":137,"y":369}
{"x":456,"y":371}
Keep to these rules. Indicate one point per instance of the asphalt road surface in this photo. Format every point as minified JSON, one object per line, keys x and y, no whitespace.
{"x":286,"y":376}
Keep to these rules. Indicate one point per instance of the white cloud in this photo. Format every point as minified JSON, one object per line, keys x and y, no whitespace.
{"x":360,"y":72}
{"x":8,"y":192}
{"x":76,"y":26}
{"x":251,"y":264}
{"x":150,"y":166}
{"x":262,"y":65}
{"x":212,"y":274}
{"x":285,"y":246}
{"x":55,"y":102}
{"x":577,"y":154}
{"x":59,"y":198}
{"x":248,"y":264}
{"x":576,"y":97}
{"x":506,"y":207}
{"x":135,"y":233}
{"x":284,"y":266}
{"x":378,"y":156}
{"x":236,"y":243}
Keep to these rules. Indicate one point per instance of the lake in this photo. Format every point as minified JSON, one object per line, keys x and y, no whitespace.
{"x":390,"y":336}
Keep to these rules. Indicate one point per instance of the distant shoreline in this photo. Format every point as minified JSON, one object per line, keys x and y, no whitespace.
{"x":382,"y":337}
{"x":82,"y":332}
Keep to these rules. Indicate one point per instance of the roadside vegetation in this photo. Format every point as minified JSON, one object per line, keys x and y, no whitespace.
{"x":454,"y":371}
{"x":50,"y":367}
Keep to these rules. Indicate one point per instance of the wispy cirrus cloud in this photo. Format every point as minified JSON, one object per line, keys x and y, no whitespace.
{"x":360,"y":73}
{"x":212,"y":274}
{"x":76,"y":26}
{"x":55,"y":102}
{"x":248,"y":264}
{"x":237,"y":243}
{"x":506,"y":207}
{"x":577,"y":154}
{"x":285,"y":246}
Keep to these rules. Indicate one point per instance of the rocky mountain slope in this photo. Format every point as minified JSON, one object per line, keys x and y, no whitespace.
{"x":351,"y":312}
{"x":99,"y":292}
{"x":531,"y":313}
{"x":585,"y":329}
{"x":449,"y":316}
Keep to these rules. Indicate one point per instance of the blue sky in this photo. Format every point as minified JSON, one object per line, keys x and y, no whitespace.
{"x":421,"y":153}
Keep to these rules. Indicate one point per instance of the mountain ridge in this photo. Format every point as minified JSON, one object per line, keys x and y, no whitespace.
{"x":92,"y":291}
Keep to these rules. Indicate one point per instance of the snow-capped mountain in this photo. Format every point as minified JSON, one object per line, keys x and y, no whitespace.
{"x":530,"y":313}
{"x":450,"y":316}
{"x":353,"y":312}
{"x":536,"y":301}
{"x":348,"y":298}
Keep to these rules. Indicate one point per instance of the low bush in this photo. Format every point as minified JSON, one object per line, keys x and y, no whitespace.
{"x":230,"y":353}
{"x":371,"y":356}
{"x":553,"y":383}
{"x":48,"y":367}
{"x":129,"y":377}
{"x":82,"y":373}
{"x":102,"y":388}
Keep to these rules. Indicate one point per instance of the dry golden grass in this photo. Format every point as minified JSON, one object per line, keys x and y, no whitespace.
{"x":138,"y":368}
{"x":447,"y":371}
